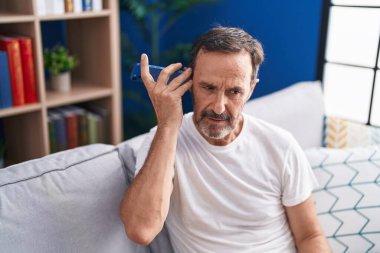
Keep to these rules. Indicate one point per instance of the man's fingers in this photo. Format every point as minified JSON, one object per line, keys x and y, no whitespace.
{"x":144,"y":71}
{"x":183,"y":88}
{"x":179,"y":80}
{"x":167,"y":72}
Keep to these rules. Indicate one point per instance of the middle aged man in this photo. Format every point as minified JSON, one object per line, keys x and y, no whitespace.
{"x":222,"y":181}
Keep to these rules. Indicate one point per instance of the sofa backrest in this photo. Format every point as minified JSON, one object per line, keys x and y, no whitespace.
{"x":298,"y":109}
{"x":65,"y":202}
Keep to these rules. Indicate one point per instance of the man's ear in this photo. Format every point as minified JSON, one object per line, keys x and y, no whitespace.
{"x":252,"y":87}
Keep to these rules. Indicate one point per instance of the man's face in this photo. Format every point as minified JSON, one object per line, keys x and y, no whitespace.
{"x":221,"y":86}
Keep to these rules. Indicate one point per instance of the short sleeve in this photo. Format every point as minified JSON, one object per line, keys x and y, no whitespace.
{"x":143,"y":151}
{"x":298,"y":180}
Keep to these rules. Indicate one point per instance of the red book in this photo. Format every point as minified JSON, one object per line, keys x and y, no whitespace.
{"x":72,"y":130}
{"x":12,"y":46}
{"x":71,"y":121}
{"x":27,"y":59}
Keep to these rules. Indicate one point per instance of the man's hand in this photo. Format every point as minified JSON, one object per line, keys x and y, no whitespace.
{"x":166,"y":98}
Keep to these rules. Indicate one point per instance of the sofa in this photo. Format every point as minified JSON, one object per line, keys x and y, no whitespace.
{"x":69,"y":201}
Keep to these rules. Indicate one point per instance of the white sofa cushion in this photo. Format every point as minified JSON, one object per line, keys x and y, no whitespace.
{"x":347,"y":199}
{"x":298,"y":108}
{"x":65,"y":202}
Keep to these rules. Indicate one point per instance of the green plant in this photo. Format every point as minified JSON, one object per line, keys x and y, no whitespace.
{"x":57,"y":60}
{"x":154,"y":18}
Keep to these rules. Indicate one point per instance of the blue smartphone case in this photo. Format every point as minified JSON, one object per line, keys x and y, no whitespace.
{"x":154,"y":71}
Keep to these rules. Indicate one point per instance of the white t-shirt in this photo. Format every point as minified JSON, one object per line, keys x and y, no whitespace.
{"x":231,"y":198}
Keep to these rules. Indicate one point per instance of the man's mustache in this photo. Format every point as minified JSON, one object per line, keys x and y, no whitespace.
{"x":211,"y":114}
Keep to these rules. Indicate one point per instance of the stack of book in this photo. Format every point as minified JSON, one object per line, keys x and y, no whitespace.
{"x":73,"y":126}
{"x":59,"y":7}
{"x":17,"y":76}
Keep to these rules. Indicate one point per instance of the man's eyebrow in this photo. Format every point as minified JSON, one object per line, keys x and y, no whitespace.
{"x":207,"y":84}
{"x":210,"y":85}
{"x":237,"y":88}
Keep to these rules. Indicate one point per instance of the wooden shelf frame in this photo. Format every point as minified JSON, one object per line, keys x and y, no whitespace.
{"x":97,"y":80}
{"x":83,"y":15}
{"x":6,"y":18}
{"x":79,"y":93}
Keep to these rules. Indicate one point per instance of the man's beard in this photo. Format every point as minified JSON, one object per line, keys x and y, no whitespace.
{"x":213,"y":130}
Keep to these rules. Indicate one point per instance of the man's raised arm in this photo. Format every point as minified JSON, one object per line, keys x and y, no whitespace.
{"x":146,"y":203}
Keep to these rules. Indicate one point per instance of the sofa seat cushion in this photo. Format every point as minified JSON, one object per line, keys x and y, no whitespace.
{"x":65,"y":202}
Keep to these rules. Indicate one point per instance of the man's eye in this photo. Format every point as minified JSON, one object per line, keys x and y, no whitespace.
{"x":209,"y":88}
{"x":235,"y":92}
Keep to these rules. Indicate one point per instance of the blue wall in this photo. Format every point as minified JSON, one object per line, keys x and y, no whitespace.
{"x":288,"y":30}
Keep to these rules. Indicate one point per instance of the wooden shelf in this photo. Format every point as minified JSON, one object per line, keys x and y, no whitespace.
{"x":12,"y":111}
{"x":68,"y":16}
{"x":15,"y":18}
{"x":93,"y":36}
{"x":80,"y":92}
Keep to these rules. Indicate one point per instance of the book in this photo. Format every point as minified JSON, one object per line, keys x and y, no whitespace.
{"x":92,"y":127}
{"x":78,"y":6}
{"x":82,"y":124}
{"x":83,"y":129}
{"x":41,"y":7}
{"x":12,"y":47}
{"x":58,"y":7}
{"x":28,"y":70}
{"x":54,"y":7}
{"x":59,"y":124}
{"x":5,"y":82}
{"x":77,"y":125}
{"x":72,"y":130}
{"x":71,"y":121}
{"x":69,"y":6}
{"x":97,"y":5}
{"x":87,"y":5}
{"x":103,"y":122}
{"x":100,"y":130}
{"x":49,"y":6}
{"x":52,"y":134}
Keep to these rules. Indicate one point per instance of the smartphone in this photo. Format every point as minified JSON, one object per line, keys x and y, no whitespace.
{"x":154,"y":71}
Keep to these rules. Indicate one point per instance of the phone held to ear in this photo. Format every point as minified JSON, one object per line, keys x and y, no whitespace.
{"x":153,"y":70}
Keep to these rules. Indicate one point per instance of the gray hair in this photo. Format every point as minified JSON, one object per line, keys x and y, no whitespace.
{"x":229,"y":40}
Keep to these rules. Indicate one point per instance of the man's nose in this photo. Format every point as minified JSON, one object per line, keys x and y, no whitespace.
{"x":219,"y":105}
